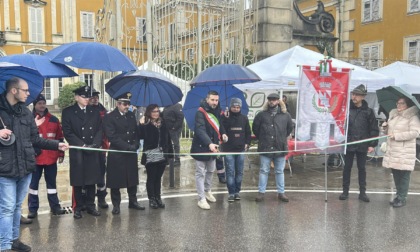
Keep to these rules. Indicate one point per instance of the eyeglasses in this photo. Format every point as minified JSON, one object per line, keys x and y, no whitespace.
{"x":24,"y":90}
{"x":401,"y":103}
{"x":155,"y":111}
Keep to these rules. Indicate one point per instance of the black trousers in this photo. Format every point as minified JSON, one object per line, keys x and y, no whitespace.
{"x":402,"y":182}
{"x":361,"y":162}
{"x":81,"y":199}
{"x":154,"y":177}
{"x":116,"y":195}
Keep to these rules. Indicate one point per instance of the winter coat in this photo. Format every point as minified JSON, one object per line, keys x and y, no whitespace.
{"x":49,"y":129}
{"x":122,"y":133}
{"x":83,"y":129}
{"x":174,"y":117}
{"x":204,"y":134}
{"x":272,"y":130}
{"x":18,"y":160}
{"x":401,"y":151}
{"x":238,"y":132}
{"x":152,"y":136}
{"x":362,"y":125}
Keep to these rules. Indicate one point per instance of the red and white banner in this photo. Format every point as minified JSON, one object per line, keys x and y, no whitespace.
{"x":323,"y":106}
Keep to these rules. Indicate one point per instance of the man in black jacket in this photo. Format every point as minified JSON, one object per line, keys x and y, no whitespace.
{"x":174,"y":119}
{"x":239,"y":134}
{"x":362,"y":124}
{"x":120,"y":128}
{"x":208,"y":134}
{"x":272,"y":126}
{"x":82,"y":126}
{"x":18,"y":133}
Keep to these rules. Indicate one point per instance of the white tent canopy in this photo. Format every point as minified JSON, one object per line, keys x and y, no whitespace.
{"x":283,"y":68}
{"x":406,"y":75}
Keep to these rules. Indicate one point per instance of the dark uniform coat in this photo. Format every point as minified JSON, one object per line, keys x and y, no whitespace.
{"x":122,"y":134}
{"x":83,"y":129}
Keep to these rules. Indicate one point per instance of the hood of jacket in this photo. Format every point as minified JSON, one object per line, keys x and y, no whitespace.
{"x":5,"y":105}
{"x":407,"y":113}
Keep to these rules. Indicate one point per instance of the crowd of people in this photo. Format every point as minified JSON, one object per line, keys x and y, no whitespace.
{"x":31,"y":144}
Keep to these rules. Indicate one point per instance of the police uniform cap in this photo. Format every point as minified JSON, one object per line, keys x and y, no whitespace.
{"x":83,"y":91}
{"x":124,"y":97}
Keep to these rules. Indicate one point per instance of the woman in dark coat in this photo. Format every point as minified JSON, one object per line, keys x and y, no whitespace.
{"x":155,"y":134}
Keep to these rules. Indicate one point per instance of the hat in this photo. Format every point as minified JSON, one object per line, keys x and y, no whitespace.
{"x":83,"y":91}
{"x":124,"y":97}
{"x":235,"y":102}
{"x":273,"y":96}
{"x":39,"y":98}
{"x":360,"y":90}
{"x":95,"y":93}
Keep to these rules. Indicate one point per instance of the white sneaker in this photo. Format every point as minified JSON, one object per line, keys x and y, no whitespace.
{"x":210,"y":197}
{"x":203,"y":204}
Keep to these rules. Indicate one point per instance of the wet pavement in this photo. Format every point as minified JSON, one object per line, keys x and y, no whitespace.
{"x":308,"y":222}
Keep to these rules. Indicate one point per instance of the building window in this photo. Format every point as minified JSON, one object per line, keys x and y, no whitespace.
{"x":141,"y":30}
{"x":87,"y":21}
{"x":60,"y":85}
{"x":36,"y":52}
{"x":172,"y":35}
{"x":414,"y":52}
{"x":47,"y":89}
{"x":371,"y":56}
{"x":189,"y":54}
{"x":87,"y":78}
{"x":162,"y":37}
{"x":371,"y":10}
{"x":212,"y":48}
{"x":413,"y":5}
{"x":35,"y":25}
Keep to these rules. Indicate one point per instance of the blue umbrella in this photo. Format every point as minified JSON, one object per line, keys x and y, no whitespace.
{"x":32,"y":77}
{"x":91,"y":55}
{"x":40,"y":63}
{"x":225,"y":74}
{"x":146,"y":87}
{"x":197,"y":94}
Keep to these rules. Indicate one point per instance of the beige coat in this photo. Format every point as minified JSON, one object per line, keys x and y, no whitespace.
{"x":401,"y":151}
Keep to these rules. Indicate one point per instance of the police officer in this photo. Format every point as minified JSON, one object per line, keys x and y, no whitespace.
{"x":82,"y":126}
{"x":120,"y":128}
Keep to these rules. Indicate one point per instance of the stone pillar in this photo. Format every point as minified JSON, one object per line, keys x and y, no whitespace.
{"x":275,"y":30}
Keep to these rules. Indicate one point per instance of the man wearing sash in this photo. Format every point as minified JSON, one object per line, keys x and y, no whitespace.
{"x":208,"y":134}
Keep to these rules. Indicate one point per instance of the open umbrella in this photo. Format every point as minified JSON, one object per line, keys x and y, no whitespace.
{"x":225,"y":74}
{"x":91,"y":55}
{"x":32,"y":77}
{"x":388,"y":97}
{"x":40,"y":63}
{"x":197,"y":94}
{"x":146,"y":87}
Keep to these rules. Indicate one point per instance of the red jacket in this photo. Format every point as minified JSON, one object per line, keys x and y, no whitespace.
{"x":50,"y":129}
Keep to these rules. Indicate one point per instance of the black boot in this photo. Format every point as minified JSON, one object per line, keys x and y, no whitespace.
{"x":159,"y":202}
{"x":102,"y":203}
{"x":152,"y":203}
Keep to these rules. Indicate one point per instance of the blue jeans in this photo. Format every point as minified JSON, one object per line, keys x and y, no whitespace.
{"x":279,"y":163}
{"x":234,"y":172}
{"x":12,"y":192}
